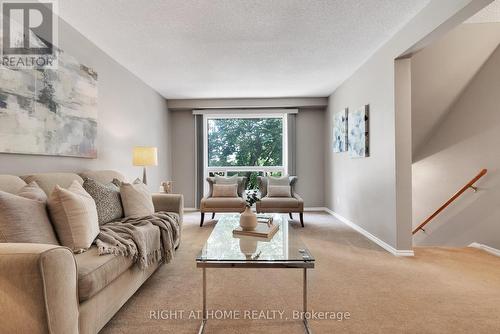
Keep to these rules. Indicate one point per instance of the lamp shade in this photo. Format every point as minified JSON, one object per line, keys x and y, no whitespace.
{"x":145,"y":156}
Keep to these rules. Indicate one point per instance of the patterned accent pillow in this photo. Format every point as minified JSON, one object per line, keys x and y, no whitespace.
{"x":107,"y":199}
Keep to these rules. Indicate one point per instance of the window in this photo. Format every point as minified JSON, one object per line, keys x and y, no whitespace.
{"x":245,"y":142}
{"x":245,"y":145}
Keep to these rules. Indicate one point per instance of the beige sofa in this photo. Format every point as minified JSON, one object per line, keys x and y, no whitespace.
{"x":48,"y":289}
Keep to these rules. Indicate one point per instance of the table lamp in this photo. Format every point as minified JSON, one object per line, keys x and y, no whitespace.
{"x":145,"y":156}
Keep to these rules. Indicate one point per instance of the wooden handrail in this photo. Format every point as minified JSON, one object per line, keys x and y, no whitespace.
{"x":470,"y":185}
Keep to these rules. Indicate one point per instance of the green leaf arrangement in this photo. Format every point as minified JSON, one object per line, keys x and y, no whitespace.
{"x":252,"y":198}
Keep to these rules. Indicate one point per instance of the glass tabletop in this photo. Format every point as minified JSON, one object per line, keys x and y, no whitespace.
{"x":285,"y":245}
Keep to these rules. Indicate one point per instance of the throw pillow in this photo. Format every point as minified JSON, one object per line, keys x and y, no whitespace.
{"x":74,"y":215}
{"x":33,"y":191}
{"x":225,"y":190}
{"x":235,"y":179}
{"x":277,"y":181}
{"x":24,"y":218}
{"x":136,"y":199}
{"x":226,"y":180}
{"x":279,"y":191}
{"x":107,"y":199}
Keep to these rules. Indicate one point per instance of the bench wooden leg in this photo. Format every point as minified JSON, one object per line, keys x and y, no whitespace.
{"x":290,"y":214}
{"x":213,"y":215}
{"x":301,"y":218}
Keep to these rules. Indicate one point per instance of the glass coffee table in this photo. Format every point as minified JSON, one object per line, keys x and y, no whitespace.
{"x":284,"y":250}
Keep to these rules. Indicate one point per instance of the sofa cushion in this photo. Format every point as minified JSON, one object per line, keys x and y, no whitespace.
{"x":96,"y":271}
{"x":279,"y":202}
{"x":74,"y":216}
{"x":223,"y":202}
{"x":107,"y":199}
{"x":11,"y":184}
{"x":33,"y":192}
{"x":24,"y":218}
{"x":48,"y":181}
{"x":103,"y":176}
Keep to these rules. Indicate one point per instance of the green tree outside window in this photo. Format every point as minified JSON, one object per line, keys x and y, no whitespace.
{"x":245,"y":142}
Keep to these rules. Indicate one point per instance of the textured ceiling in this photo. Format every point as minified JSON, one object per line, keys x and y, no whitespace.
{"x":240,"y":48}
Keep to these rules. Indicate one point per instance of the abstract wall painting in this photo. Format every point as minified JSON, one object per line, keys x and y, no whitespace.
{"x":49,"y":112}
{"x":358,"y":126}
{"x":340,"y":131}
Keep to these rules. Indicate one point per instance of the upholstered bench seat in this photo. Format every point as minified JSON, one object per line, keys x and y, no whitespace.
{"x":230,"y":203}
{"x":280,"y":202}
{"x":96,"y":272}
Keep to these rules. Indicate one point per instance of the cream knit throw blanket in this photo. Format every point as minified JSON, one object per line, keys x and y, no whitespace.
{"x":132,"y":237}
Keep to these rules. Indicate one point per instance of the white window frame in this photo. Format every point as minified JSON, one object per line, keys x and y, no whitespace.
{"x":244,"y":114}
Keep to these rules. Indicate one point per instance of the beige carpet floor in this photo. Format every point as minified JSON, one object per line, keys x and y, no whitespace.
{"x":437,"y":291}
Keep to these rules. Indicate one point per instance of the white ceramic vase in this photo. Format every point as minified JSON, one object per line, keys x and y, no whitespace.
{"x":248,"y":246}
{"x":248,"y":220}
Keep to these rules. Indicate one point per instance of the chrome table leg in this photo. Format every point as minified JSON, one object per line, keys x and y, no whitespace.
{"x":204,"y":316}
{"x":306,"y":324}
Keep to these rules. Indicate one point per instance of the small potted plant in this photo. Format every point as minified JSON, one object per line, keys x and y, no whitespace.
{"x":248,"y":219}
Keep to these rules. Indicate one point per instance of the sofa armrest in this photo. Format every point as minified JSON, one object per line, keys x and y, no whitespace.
{"x":38,"y":289}
{"x":301,"y":201}
{"x":169,"y":203}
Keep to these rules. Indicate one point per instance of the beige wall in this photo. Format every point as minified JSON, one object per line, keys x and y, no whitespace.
{"x":183,"y":155}
{"x":441,"y":71}
{"x":467,"y":140}
{"x":130,"y":113}
{"x":365,"y":190}
{"x":310,"y":157}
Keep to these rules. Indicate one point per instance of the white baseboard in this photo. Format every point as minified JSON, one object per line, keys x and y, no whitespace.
{"x":381,"y":243}
{"x":315,"y":208}
{"x":485,"y":248}
{"x":308,"y":209}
